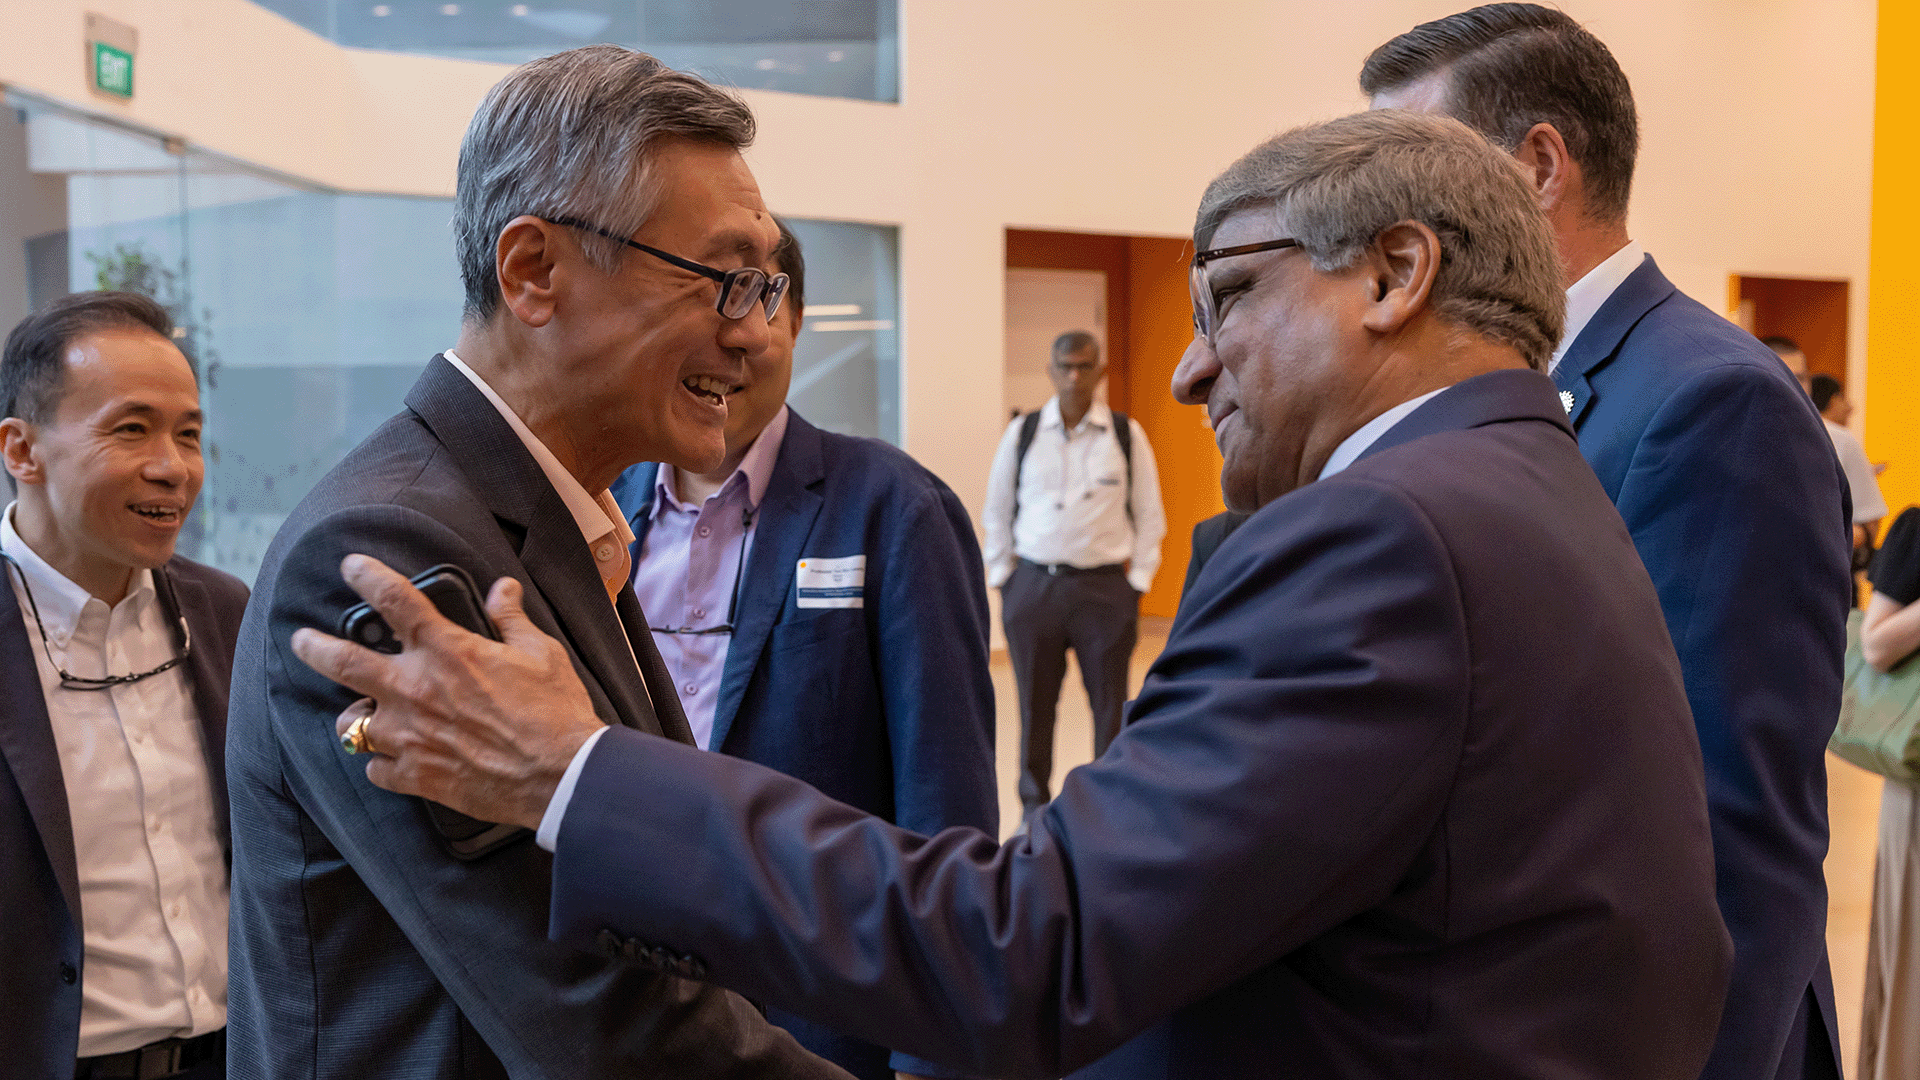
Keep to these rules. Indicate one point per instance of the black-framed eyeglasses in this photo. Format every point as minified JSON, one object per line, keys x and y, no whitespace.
{"x":1206,"y":310}
{"x":70,"y":681}
{"x":740,"y":288}
{"x":733,"y":603}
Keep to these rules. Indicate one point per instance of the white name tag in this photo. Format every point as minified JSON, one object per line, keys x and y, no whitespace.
{"x":832,"y":583}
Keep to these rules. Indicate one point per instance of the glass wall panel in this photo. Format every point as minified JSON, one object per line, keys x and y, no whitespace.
{"x":831,"y":48}
{"x":310,"y":312}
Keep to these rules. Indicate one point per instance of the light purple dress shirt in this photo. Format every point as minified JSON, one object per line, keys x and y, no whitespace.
{"x":688,"y":567}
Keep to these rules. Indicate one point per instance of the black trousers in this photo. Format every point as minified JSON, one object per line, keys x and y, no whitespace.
{"x":1097,"y":615}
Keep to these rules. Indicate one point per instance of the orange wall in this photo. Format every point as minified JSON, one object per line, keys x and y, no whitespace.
{"x":1892,"y":400}
{"x":1037,"y":249}
{"x":1160,"y":325}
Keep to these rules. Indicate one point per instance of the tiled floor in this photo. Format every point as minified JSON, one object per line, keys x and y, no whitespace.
{"x":1854,"y":799}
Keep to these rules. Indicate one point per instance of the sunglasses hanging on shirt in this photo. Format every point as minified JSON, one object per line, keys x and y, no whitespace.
{"x":70,"y":681}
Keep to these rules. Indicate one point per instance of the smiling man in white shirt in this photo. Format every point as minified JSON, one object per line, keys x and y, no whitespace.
{"x":114,"y":658}
{"x":1074,"y":524}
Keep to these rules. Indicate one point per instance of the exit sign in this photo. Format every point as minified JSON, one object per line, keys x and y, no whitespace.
{"x":112,"y":70}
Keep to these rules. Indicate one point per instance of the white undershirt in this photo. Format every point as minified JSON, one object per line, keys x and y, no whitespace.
{"x":1591,"y":291}
{"x":153,"y":875}
{"x":1354,"y":445}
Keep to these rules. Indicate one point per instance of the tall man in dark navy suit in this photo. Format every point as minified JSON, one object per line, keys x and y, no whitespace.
{"x":850,"y":649}
{"x":1412,"y":792}
{"x":1727,"y":482}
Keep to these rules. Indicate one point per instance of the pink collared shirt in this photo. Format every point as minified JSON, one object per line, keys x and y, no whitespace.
{"x":688,"y":568}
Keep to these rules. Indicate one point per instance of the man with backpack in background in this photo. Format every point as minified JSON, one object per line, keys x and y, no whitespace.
{"x":1073,"y":523}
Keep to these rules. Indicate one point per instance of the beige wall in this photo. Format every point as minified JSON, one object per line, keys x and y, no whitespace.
{"x":1065,"y":114}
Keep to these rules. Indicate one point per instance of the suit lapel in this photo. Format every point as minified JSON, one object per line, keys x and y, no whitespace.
{"x":26,"y":742}
{"x":1600,"y":339}
{"x":786,"y":515}
{"x":206,"y":683}
{"x":558,"y":566}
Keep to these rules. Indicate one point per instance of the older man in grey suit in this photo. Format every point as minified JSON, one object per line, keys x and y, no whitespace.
{"x":1412,"y":793}
{"x":611,"y":240}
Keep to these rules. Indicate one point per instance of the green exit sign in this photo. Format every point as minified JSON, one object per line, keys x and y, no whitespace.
{"x":112,"y":70}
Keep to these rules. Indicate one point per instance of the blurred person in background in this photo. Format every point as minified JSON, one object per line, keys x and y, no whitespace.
{"x":1869,"y":505}
{"x":1073,"y":525}
{"x":817,"y":598}
{"x":1890,"y":1007}
{"x":115,"y":656}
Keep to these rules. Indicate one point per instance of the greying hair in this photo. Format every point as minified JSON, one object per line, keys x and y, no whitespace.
{"x":568,"y":135}
{"x":1337,"y":185}
{"x":1076,"y":341}
{"x":1511,"y":66}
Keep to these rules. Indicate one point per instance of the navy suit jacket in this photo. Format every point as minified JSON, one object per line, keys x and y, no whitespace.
{"x":1413,"y":792}
{"x":361,"y":947}
{"x":1729,"y":485}
{"x":40,"y":923}
{"x":887,"y":707}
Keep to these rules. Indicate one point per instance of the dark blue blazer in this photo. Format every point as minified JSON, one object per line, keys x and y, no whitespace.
{"x":40,"y":921}
{"x":888,"y":707}
{"x":1729,"y":485}
{"x":361,"y":947}
{"x":1412,"y":793}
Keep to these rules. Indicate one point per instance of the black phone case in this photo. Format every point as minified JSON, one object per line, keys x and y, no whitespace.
{"x":457,"y":597}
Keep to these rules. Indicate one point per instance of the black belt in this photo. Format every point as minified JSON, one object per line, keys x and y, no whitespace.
{"x":154,"y":1061}
{"x":1068,"y":569}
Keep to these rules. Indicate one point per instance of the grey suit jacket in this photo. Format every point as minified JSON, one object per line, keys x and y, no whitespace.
{"x":1413,"y":793}
{"x":361,"y":947}
{"x":40,"y":922}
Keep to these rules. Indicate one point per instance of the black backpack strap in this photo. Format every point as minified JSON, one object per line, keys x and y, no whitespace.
{"x":1123,"y":434}
{"x":1029,"y":424}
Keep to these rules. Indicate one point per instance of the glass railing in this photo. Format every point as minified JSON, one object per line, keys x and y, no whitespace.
{"x":831,"y":48}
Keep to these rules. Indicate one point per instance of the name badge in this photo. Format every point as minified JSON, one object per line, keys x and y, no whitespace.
{"x":832,"y":583}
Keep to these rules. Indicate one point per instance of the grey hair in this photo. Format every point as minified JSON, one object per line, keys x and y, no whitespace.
{"x":1075,"y":341}
{"x":1339,"y":184}
{"x":568,"y":135}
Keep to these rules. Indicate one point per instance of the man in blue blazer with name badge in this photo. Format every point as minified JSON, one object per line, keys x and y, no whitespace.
{"x":1726,"y":479}
{"x":1412,"y":794}
{"x":818,"y":600}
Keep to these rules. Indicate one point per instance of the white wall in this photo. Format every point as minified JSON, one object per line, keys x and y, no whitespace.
{"x":1066,"y":114}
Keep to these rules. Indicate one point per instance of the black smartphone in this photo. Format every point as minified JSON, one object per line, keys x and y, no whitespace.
{"x":454,"y":593}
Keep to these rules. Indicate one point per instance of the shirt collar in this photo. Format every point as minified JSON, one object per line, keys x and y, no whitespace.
{"x":58,"y":600}
{"x":1098,"y":414}
{"x":755,"y":469}
{"x":595,"y":515}
{"x":1587,"y":294}
{"x":1354,"y":445}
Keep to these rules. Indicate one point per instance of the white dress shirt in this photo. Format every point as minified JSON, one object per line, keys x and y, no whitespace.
{"x":1868,"y":503}
{"x":153,"y":876}
{"x":1592,"y":290}
{"x":1354,"y":445}
{"x":1073,"y":499}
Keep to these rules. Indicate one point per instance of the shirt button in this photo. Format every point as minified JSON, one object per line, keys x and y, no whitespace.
{"x":692,"y":689}
{"x":699,"y":611}
{"x":153,"y":826}
{"x":705,"y":530}
{"x":175,"y":909}
{"x":605,"y":552}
